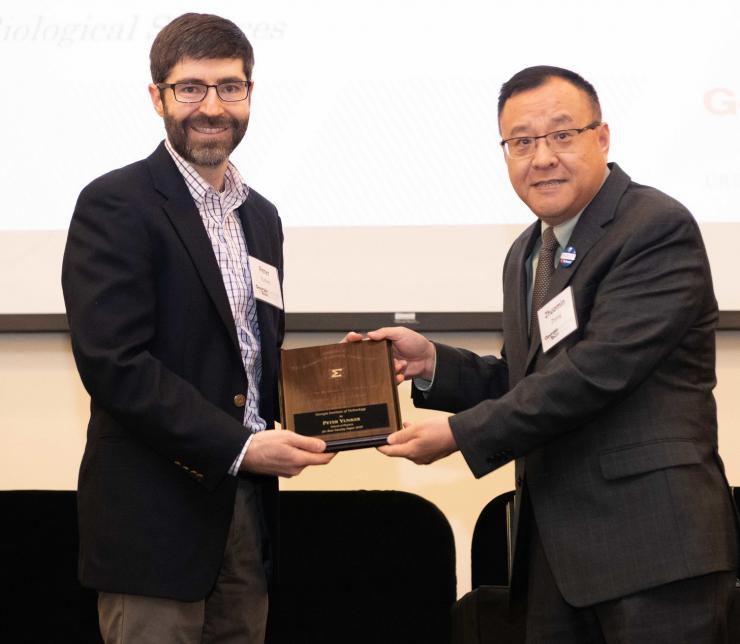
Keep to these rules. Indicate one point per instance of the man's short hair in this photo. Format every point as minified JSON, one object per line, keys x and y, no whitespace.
{"x":198,"y":36}
{"x":533,"y":77}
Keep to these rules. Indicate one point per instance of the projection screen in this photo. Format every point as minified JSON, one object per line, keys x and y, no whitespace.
{"x":373,"y":130}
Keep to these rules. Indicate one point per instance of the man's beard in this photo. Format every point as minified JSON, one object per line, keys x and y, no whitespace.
{"x":204,"y":153}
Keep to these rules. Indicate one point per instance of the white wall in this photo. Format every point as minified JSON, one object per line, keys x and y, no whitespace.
{"x":43,"y":414}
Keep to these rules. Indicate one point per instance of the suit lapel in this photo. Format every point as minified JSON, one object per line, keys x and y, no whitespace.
{"x":255,"y":232}
{"x":255,"y":236}
{"x":260,"y":244}
{"x":185,"y":218}
{"x":516,"y":322}
{"x":589,"y":229}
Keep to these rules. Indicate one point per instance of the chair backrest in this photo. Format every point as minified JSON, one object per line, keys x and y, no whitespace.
{"x":41,"y":598}
{"x":491,"y":550}
{"x":364,"y":567}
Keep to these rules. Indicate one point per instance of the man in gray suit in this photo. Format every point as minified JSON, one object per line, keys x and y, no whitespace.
{"x":603,"y":394}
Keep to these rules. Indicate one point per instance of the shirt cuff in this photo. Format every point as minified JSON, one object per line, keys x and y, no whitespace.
{"x":424,"y":385}
{"x":234,"y":469}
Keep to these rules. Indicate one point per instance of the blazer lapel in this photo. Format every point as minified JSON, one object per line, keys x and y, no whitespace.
{"x":516,"y":320}
{"x":257,"y":235}
{"x":588,"y":230}
{"x":185,"y":218}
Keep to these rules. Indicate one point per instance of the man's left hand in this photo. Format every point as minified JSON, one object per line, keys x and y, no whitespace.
{"x":423,"y":442}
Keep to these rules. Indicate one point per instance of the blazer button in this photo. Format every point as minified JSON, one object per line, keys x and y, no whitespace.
{"x":240,"y":400}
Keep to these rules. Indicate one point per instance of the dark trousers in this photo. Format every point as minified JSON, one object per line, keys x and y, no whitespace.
{"x":234,"y":612}
{"x":689,"y":611}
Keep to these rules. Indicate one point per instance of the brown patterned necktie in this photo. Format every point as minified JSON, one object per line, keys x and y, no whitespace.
{"x":545,"y":269}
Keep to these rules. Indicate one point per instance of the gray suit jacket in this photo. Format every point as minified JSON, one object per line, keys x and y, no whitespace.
{"x":615,"y":427}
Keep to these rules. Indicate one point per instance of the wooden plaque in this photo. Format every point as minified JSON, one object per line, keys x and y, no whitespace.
{"x":344,"y":394}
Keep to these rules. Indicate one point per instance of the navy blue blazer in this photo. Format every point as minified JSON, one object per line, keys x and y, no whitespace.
{"x":156,"y":347}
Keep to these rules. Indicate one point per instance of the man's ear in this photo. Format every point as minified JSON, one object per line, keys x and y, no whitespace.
{"x":604,"y":138}
{"x":156,"y":96}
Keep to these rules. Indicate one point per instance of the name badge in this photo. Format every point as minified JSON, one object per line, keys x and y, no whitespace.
{"x":557,"y":319}
{"x":265,"y":282}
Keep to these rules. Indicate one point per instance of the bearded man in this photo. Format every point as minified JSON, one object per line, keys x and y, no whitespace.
{"x":179,"y":352}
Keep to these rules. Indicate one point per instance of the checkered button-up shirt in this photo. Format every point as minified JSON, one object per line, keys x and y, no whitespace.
{"x":218,"y":211}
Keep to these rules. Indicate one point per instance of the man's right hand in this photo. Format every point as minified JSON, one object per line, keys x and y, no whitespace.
{"x":415,"y":356}
{"x":283,"y":453}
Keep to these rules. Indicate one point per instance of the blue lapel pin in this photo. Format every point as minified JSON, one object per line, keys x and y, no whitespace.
{"x":567,"y":257}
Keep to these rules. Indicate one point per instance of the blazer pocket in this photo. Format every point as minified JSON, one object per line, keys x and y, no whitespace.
{"x":648,"y":457}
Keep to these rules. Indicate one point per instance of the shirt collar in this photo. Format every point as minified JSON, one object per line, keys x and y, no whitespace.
{"x":235,"y":190}
{"x":565,"y":230}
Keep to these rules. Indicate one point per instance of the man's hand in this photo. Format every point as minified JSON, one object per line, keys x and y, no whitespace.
{"x":414,"y":355}
{"x":423,"y":442}
{"x":283,"y":453}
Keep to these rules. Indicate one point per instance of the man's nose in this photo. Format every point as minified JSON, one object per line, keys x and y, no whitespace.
{"x":543,"y":156}
{"x":211,"y":104}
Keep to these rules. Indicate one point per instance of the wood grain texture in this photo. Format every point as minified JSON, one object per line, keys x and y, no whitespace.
{"x":340,"y":392}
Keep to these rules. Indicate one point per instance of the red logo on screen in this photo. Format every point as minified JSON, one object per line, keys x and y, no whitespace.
{"x":721,"y":101}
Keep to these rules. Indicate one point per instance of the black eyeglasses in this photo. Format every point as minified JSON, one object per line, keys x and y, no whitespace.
{"x":519,"y":147}
{"x":229,"y":91}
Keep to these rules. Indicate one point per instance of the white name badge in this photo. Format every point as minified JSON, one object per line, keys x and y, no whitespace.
{"x":265,"y":282}
{"x":557,"y":319}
